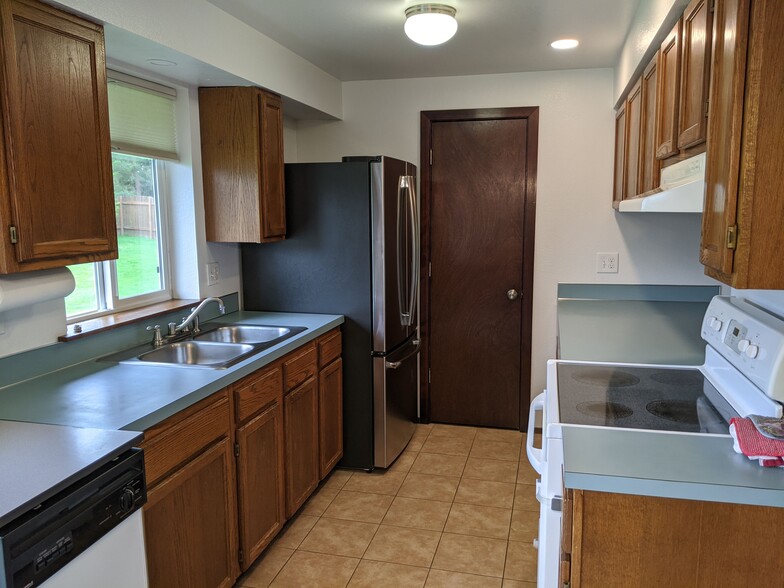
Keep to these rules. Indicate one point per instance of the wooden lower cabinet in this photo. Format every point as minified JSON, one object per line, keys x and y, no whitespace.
{"x":302,"y":444}
{"x":330,"y":416}
{"x":260,"y":490}
{"x":189,"y":524}
{"x":225,"y":474}
{"x":628,"y":541}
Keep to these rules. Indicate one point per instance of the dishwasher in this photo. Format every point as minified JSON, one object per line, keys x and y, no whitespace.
{"x":88,"y":535}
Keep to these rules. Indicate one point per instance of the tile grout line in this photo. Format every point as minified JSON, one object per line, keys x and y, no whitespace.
{"x":381,"y":522}
{"x":451,"y":504}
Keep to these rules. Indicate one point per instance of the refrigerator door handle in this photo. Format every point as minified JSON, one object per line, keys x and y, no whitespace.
{"x":393,"y":365}
{"x":407,"y":184}
{"x":414,"y":295}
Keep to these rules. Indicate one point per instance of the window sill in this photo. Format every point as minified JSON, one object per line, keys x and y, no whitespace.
{"x":119,"y":319}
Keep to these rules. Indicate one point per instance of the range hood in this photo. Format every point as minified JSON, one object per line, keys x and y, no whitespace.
{"x":682,"y":189}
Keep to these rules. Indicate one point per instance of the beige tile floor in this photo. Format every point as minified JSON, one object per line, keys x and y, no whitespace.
{"x":456,"y":509}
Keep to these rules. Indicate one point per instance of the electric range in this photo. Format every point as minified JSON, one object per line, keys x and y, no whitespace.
{"x":743,"y":374}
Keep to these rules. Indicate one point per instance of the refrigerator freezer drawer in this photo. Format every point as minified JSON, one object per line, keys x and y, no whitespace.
{"x":395,"y":398}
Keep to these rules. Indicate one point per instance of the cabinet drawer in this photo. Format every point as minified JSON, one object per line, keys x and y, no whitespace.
{"x":174,"y":444}
{"x":299,"y":366}
{"x":329,"y":348}
{"x":257,"y":391}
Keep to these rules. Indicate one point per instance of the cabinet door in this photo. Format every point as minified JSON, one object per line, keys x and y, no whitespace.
{"x":669,"y":73}
{"x":634,"y":119}
{"x":273,"y":203}
{"x":649,"y":165}
{"x":330,"y":416}
{"x":57,"y":135}
{"x":695,"y":73}
{"x":260,"y":490}
{"x":242,"y":164}
{"x":189,"y":524}
{"x":725,"y":126}
{"x":619,"y":181}
{"x":301,"y":432}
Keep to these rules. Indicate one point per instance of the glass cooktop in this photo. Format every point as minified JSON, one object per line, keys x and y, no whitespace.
{"x":657,"y":398}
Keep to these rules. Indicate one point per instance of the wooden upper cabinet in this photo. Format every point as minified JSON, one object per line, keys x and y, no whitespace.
{"x":725,"y":125}
{"x":634,"y":106}
{"x":649,"y":165}
{"x":695,"y":73}
{"x":56,"y":195}
{"x":668,"y":81}
{"x":619,"y":181}
{"x":743,"y":222}
{"x":242,"y":164}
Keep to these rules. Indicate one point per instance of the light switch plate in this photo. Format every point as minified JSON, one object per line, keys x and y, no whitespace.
{"x":213,"y":273}
{"x":607,"y":263}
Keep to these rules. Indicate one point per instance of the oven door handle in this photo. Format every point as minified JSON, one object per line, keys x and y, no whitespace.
{"x":535,"y":455}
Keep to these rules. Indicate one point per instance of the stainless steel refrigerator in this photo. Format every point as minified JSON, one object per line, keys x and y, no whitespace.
{"x":352,"y":248}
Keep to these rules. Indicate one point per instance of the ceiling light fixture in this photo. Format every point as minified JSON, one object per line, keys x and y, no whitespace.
{"x":430,"y":24}
{"x":162,"y":62}
{"x":565,"y":44}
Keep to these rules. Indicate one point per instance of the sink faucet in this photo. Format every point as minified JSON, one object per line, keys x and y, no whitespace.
{"x":193,"y":317}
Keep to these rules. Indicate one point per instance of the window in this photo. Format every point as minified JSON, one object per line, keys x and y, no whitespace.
{"x":141,"y":117}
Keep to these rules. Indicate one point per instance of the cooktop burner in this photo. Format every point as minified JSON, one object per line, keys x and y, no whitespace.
{"x":679,"y":377}
{"x":656,"y":398}
{"x":677,"y":411}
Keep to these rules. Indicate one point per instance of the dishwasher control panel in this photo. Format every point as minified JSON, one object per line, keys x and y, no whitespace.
{"x":43,"y":540}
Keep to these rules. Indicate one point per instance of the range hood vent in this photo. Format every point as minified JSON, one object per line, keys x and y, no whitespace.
{"x":682,"y":189}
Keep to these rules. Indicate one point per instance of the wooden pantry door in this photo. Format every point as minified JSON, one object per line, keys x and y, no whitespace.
{"x":478,"y":211}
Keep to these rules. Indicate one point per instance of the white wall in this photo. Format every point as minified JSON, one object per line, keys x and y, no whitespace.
{"x":289,"y":140}
{"x":574,"y":194}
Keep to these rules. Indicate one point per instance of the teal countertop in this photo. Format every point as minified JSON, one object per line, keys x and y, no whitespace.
{"x":99,"y":395}
{"x":691,"y":467}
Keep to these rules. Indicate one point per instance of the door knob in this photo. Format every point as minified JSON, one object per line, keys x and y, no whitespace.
{"x":512,"y":294}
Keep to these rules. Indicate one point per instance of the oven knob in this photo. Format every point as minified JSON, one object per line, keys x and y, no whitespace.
{"x":752,"y":351}
{"x":716,"y":324}
{"x":743,"y":344}
{"x":127,"y":500}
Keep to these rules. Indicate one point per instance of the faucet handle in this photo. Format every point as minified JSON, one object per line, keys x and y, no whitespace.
{"x":157,"y":340}
{"x":172,"y":329}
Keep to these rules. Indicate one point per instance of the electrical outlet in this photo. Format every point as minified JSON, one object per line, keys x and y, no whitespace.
{"x":606,"y":263}
{"x":213,"y":273}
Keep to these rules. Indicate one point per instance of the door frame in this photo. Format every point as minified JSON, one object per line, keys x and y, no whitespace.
{"x":427,"y":119}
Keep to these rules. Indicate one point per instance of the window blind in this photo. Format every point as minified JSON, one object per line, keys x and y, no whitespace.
{"x":141,"y":117}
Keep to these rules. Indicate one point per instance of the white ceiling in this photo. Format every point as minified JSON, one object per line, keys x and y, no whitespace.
{"x":364,"y":39}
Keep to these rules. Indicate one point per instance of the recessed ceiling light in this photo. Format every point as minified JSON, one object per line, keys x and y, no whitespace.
{"x":161,"y":62}
{"x":565,"y":44}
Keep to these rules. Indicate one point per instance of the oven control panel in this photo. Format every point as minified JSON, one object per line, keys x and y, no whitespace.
{"x":750,"y":339}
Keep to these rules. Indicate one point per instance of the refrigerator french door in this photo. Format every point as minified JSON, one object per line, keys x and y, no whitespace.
{"x":352,"y":248}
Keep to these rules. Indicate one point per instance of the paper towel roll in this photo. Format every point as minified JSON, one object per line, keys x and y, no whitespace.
{"x":21,"y":290}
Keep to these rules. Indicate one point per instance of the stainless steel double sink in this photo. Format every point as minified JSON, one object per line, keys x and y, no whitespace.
{"x":216,"y":348}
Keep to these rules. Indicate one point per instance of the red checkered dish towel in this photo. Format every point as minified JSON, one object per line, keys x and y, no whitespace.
{"x":751,"y":443}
